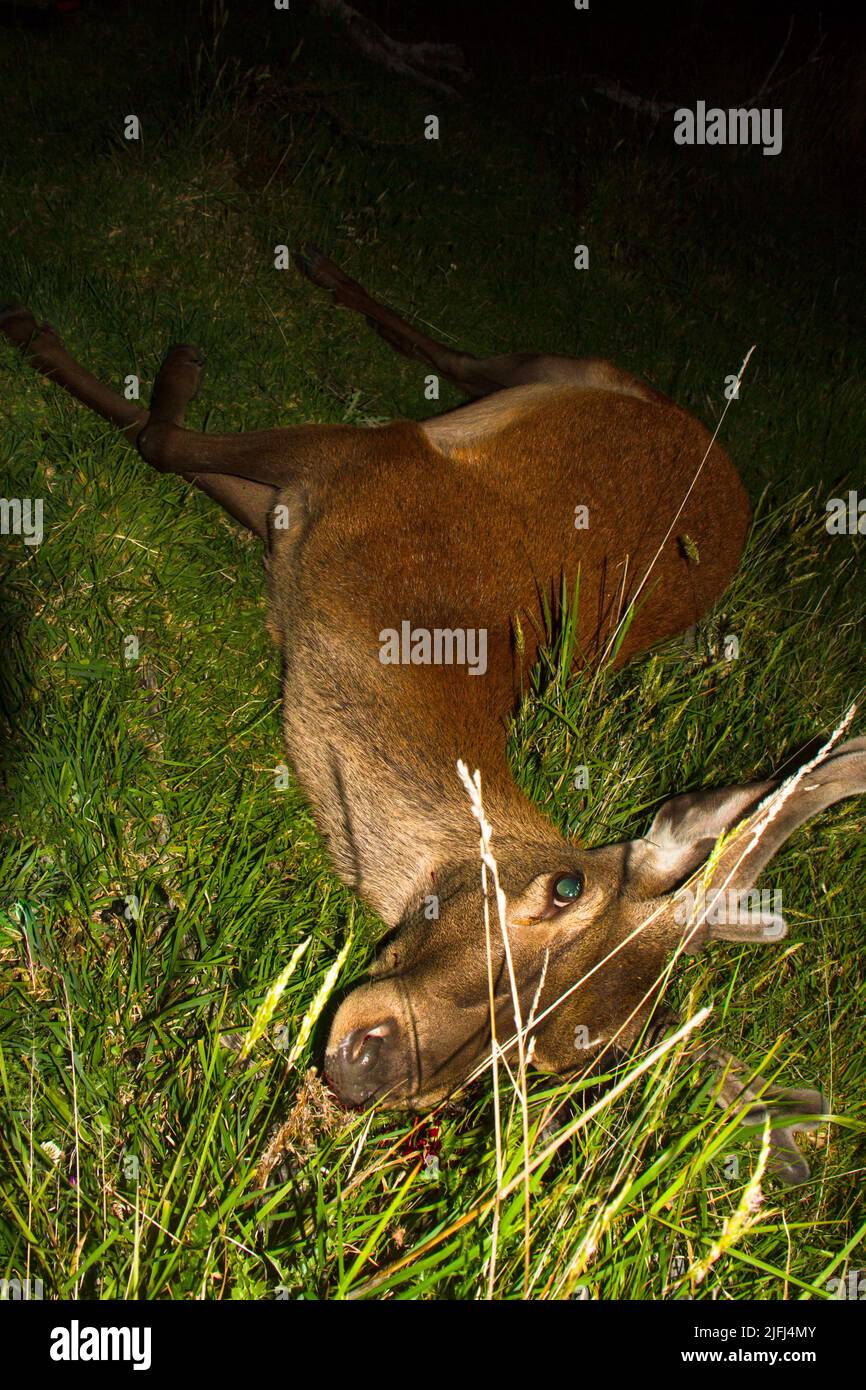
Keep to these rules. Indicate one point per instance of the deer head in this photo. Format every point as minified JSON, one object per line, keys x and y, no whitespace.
{"x":590,"y":931}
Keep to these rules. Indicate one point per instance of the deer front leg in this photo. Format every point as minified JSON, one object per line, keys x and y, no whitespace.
{"x":177,"y":383}
{"x":792,"y":1111}
{"x":262,"y":456}
{"x":268,"y":459}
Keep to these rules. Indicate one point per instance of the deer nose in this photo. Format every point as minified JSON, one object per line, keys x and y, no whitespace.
{"x":360,"y":1065}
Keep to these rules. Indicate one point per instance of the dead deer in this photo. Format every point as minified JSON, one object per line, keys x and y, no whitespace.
{"x":378,"y":539}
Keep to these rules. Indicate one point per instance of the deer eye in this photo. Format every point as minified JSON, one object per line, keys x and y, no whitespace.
{"x":567,"y":889}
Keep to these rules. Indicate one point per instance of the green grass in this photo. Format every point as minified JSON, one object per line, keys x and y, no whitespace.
{"x":154,"y":779}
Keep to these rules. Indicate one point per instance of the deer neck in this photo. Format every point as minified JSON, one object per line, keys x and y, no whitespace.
{"x":417,"y":823}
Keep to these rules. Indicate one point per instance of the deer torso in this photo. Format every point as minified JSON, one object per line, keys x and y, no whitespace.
{"x":400,"y":536}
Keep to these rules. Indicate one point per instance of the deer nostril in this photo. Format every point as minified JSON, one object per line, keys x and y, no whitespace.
{"x":361,"y":1048}
{"x":369,"y":1061}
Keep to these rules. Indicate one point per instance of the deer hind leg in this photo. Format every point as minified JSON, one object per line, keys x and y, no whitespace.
{"x":477,"y":376}
{"x":44,"y":350}
{"x":790,"y":1112}
{"x":225,"y":467}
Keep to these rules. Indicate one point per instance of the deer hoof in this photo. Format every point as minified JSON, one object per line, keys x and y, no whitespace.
{"x":316,"y":266}
{"x":183,"y":360}
{"x":17,"y":323}
{"x":310,"y":261}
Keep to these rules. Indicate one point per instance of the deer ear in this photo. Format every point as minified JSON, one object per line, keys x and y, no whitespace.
{"x":685,"y":830}
{"x":755,"y":820}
